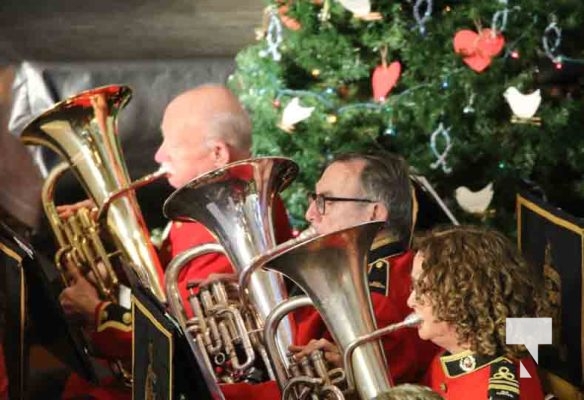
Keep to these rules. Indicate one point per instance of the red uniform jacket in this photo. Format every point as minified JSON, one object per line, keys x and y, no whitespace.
{"x":468,"y":376}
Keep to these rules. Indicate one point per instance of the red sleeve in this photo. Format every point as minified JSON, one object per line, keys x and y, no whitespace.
{"x":309,"y":325}
{"x":184,"y":236}
{"x":245,"y":391}
{"x":112,"y":338}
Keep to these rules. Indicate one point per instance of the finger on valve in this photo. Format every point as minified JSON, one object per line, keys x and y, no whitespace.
{"x":330,"y":350}
{"x":66,"y":210}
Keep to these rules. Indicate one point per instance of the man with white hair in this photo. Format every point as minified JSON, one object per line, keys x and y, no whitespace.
{"x":203,"y":129}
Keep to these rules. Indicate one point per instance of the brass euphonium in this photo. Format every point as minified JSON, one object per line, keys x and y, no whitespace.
{"x":332,"y":271}
{"x":235,"y":204}
{"x":83,"y":131}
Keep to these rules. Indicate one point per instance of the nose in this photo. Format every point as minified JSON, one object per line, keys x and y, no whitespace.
{"x":160,"y":155}
{"x":312,"y":214}
{"x":411,"y":300}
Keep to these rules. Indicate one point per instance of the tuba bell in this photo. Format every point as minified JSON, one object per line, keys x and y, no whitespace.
{"x":338,"y":289}
{"x":235,"y":204}
{"x":83,"y":131}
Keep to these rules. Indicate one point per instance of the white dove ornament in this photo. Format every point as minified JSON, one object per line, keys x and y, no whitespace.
{"x":523,"y":106}
{"x":474,"y":202}
{"x":294,"y":113}
{"x":361,"y":9}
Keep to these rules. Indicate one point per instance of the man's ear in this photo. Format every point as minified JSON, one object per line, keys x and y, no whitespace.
{"x":379,"y":212}
{"x":221,"y":154}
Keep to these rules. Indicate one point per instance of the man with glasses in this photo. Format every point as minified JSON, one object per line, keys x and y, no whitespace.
{"x":353,"y":189}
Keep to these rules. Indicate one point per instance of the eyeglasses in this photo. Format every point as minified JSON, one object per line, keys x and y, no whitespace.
{"x":321,"y":199}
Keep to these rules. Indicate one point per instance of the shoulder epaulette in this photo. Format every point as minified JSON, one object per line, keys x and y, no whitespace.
{"x":114,"y":316}
{"x":503,"y":380}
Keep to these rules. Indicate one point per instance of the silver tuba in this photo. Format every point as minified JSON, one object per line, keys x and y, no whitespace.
{"x":332,"y":271}
{"x":235,"y":204}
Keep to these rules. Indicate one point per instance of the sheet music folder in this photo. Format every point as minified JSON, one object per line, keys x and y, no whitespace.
{"x":164,"y":366}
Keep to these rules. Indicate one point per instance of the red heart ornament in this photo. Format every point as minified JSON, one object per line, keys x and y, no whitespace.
{"x":477,"y":62}
{"x":384,"y":79}
{"x":465,"y":42}
{"x":490,"y":44}
{"x":478,"y":49}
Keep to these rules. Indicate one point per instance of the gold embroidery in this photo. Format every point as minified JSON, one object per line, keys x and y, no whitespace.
{"x":127,"y":318}
{"x":504,"y":373}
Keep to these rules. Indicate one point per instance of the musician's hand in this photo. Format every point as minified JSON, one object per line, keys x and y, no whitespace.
{"x":330,"y":350}
{"x":214,"y":277}
{"x":80,"y":299}
{"x":66,"y":210}
{"x":220,"y":277}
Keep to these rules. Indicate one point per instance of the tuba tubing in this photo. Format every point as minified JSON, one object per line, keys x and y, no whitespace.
{"x":408,"y":322}
{"x":270,"y":329}
{"x":173,"y":270}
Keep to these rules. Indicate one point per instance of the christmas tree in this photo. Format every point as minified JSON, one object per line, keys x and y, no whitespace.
{"x":479,"y":96}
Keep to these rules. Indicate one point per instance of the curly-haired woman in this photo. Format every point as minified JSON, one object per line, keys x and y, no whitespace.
{"x":466,"y":282}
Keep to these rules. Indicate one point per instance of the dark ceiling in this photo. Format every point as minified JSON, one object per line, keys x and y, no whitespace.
{"x":73,"y":30}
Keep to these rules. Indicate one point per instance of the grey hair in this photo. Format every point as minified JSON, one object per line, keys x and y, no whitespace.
{"x":408,"y":391}
{"x":385,"y":178}
{"x":232,"y":128}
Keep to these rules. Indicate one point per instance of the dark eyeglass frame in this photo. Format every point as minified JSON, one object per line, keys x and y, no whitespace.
{"x":321,"y":199}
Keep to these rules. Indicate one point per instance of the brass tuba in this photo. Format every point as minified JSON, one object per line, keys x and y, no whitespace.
{"x":235,"y":204}
{"x":83,"y":130}
{"x":338,"y":289}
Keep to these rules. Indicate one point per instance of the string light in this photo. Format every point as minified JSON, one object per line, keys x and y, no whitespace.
{"x":390,"y":131}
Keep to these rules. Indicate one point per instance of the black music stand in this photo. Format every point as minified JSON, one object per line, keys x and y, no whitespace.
{"x":163,"y":363}
{"x":551,"y":239}
{"x":12,"y":292}
{"x":41,"y":285}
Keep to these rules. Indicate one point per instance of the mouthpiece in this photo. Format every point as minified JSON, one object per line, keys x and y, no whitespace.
{"x":411,"y":320}
{"x":307,"y":233}
{"x":161,"y":172}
